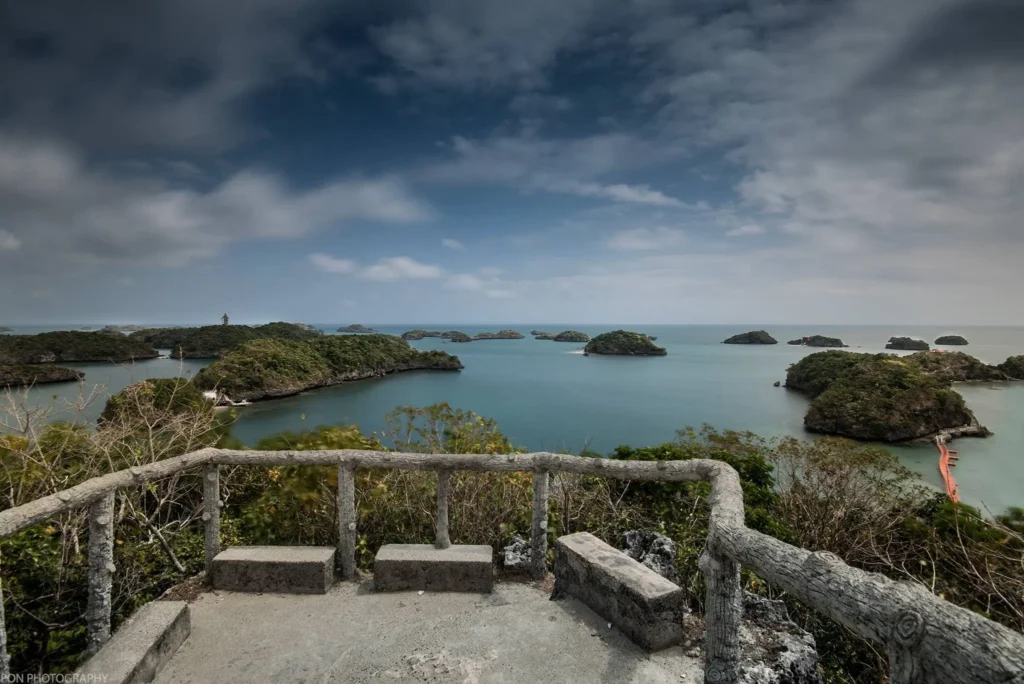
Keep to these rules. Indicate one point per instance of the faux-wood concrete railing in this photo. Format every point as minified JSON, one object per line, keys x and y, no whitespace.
{"x":928,"y":639}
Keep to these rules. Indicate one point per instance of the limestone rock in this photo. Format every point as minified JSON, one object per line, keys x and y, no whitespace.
{"x":653,"y":550}
{"x":517,"y":555}
{"x":775,"y":650}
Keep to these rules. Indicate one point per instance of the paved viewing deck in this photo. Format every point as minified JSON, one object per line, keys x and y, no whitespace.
{"x":353,"y":634}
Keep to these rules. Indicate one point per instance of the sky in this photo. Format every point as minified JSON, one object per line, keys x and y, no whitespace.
{"x":485,"y":161}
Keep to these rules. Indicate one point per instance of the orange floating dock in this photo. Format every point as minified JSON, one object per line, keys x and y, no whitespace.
{"x":947,"y":460}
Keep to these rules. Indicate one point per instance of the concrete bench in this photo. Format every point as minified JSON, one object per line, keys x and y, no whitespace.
{"x":141,"y":646}
{"x":648,"y":608}
{"x":275,"y":569}
{"x":404,"y":567}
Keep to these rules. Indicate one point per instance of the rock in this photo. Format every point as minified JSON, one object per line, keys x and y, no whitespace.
{"x":777,"y":384}
{"x":774,"y":649}
{"x":517,"y":555}
{"x":653,"y":550}
{"x":752,"y":337}
{"x":907,"y":343}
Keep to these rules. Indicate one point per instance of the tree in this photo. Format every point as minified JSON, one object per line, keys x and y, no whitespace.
{"x":224,"y":319}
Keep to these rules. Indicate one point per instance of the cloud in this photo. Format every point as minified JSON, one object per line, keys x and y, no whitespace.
{"x":618,"y":192}
{"x":329,"y":264}
{"x":745,"y":230}
{"x":491,"y":287}
{"x":453,"y":244}
{"x":61,"y":210}
{"x":400,"y":268}
{"x":646,"y":239}
{"x":8,"y":241}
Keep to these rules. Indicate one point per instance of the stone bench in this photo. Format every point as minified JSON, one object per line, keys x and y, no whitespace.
{"x":404,"y":567}
{"x":648,"y":608}
{"x":275,"y":569}
{"x":141,"y":646}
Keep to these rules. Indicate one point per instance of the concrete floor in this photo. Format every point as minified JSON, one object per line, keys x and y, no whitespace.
{"x":512,"y":636}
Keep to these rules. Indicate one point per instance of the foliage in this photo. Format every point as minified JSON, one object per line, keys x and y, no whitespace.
{"x":951,"y":340}
{"x":500,"y":335}
{"x":1013,"y":367}
{"x":356,"y":328}
{"x":752,"y":337}
{"x":213,"y":341}
{"x":571,"y":336}
{"x":950,"y":366}
{"x":907,"y":343}
{"x":816,"y":372}
{"x":456,"y":336}
{"x":818,"y":341}
{"x":69,"y":346}
{"x":23,"y":375}
{"x":624,"y":342}
{"x":158,"y":398}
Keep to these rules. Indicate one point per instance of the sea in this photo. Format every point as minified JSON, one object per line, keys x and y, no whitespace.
{"x":547,"y":396}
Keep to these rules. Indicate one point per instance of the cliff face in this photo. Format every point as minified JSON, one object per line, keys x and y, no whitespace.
{"x":268,"y":368}
{"x":72,"y":346}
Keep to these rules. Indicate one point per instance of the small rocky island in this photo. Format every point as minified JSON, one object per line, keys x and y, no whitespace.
{"x":71,"y":346}
{"x":623,"y":343}
{"x":500,"y":335}
{"x":5,"y":329}
{"x":571,"y":336}
{"x":881,"y":397}
{"x":356,"y":328}
{"x":951,"y":340}
{"x":214,"y":341}
{"x":414,"y":335}
{"x":269,"y":368}
{"x":536,"y":333}
{"x":907,"y":344}
{"x":25,"y":375}
{"x":818,"y":341}
{"x":752,"y":337}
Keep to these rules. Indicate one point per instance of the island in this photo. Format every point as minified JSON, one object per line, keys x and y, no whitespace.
{"x":70,"y":346}
{"x":500,"y":335}
{"x":572,"y":336}
{"x":623,"y":343}
{"x":535,"y":333}
{"x":1013,"y":367}
{"x":214,"y":341}
{"x":456,"y":336}
{"x":356,"y":328}
{"x":545,"y":336}
{"x":156,"y":401}
{"x":752,"y":337}
{"x":273,"y":367}
{"x":120,"y":328}
{"x":25,"y":375}
{"x":5,"y":329}
{"x":414,"y":335}
{"x":951,"y":340}
{"x":818,"y":341}
{"x":907,"y":343}
{"x":881,"y":397}
{"x":951,"y":366}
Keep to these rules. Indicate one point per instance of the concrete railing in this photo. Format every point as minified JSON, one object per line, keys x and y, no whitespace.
{"x":927,"y":638}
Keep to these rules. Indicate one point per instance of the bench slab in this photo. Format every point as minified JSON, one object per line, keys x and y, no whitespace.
{"x":648,"y":608}
{"x":275,"y":569}
{"x":141,"y":646}
{"x":404,"y":567}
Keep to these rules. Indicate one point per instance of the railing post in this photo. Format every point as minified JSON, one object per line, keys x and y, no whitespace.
{"x":539,"y":531}
{"x":5,"y":661}
{"x":211,"y":514}
{"x":101,"y":572}
{"x":441,"y":538}
{"x":722,"y":615}
{"x":346,"y":521}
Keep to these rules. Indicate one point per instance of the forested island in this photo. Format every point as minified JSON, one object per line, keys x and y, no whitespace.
{"x":571,"y":336}
{"x":500,"y":335}
{"x":356,"y":328}
{"x":213,"y":341}
{"x":623,"y":343}
{"x":24,"y":375}
{"x":68,"y":346}
{"x":890,"y":398}
{"x":752,"y":337}
{"x":1013,"y":367}
{"x":537,"y":333}
{"x":951,"y":340}
{"x":818,"y":341}
{"x":907,"y":344}
{"x":267,"y":368}
{"x":459,"y":336}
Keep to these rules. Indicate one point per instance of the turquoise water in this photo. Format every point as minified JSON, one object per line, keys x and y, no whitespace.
{"x":545,"y":396}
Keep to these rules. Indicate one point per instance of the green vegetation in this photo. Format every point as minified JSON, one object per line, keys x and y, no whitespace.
{"x":541,"y":332}
{"x":624,"y":342}
{"x":356,"y":328}
{"x":213,"y":341}
{"x":500,"y":335}
{"x":752,"y":337}
{"x":268,"y":368}
{"x":413,"y":335}
{"x":545,"y":336}
{"x":571,"y":336}
{"x":951,"y":367}
{"x":70,"y":346}
{"x":818,"y":341}
{"x":456,"y":336}
{"x":949,"y":340}
{"x":24,"y":375}
{"x":164,"y":397}
{"x":815,"y":373}
{"x":1013,"y":367}
{"x":907,"y":343}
